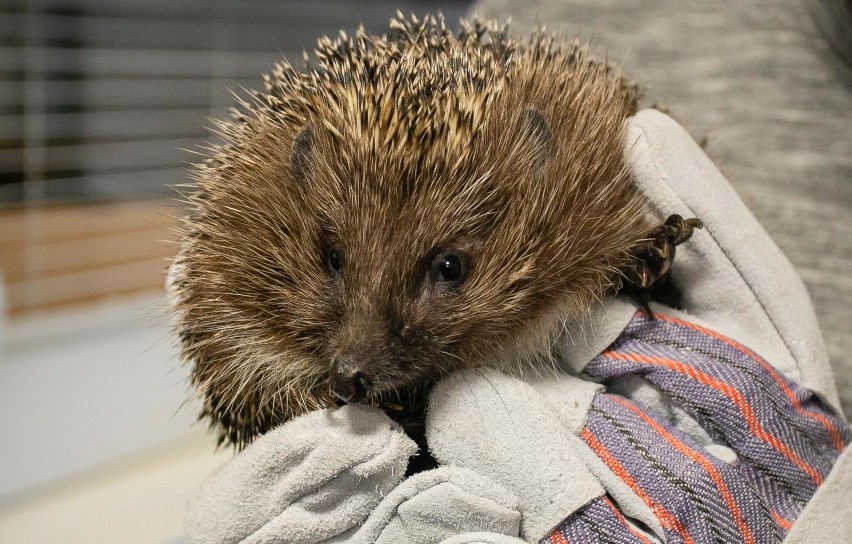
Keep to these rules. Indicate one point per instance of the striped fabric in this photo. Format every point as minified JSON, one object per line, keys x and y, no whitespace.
{"x":785,"y":439}
{"x":598,"y":521}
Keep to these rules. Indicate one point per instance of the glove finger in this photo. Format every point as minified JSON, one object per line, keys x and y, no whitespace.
{"x":359,"y":455}
{"x":435,"y":505}
{"x":482,"y":538}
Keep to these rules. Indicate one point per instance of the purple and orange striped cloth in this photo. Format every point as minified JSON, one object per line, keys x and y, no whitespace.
{"x":785,"y":439}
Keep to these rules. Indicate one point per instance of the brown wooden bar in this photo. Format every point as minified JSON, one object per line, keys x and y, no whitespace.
{"x":65,"y":256}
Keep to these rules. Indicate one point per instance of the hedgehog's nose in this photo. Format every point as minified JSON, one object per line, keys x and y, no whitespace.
{"x":347,"y":381}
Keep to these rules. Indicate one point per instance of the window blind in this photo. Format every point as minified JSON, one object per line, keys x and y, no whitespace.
{"x":100,"y":101}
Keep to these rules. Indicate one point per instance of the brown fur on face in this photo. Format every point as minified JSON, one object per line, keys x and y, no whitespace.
{"x":397,"y":152}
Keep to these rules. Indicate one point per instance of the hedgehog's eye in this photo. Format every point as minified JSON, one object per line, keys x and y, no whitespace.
{"x":448,"y":268}
{"x":334,"y":259}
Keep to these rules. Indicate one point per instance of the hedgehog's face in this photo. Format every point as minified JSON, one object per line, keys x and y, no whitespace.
{"x":398,"y":273}
{"x":415,"y":265}
{"x":398,"y":329}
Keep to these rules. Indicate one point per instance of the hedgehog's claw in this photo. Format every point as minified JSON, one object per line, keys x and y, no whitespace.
{"x":653,"y":258}
{"x":678,"y":229}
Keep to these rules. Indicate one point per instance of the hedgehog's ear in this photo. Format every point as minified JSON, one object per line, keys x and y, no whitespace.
{"x":536,"y":128}
{"x":302,"y":154}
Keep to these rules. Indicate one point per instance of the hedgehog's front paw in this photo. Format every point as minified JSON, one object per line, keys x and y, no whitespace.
{"x":655,"y":255}
{"x":646,"y":278}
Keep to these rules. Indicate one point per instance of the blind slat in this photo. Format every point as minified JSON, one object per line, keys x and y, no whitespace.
{"x":334,"y":14}
{"x":132,"y":32}
{"x":127,"y":125}
{"x":136,"y":62}
{"x":93,"y":283}
{"x":104,"y":156}
{"x":136,"y":93}
{"x":107,"y":249}
{"x":68,"y":222}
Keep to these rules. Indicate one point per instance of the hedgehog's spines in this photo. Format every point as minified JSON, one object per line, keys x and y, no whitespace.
{"x":422,"y":119}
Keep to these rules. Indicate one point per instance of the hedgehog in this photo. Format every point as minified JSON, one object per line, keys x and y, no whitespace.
{"x":409,"y":205}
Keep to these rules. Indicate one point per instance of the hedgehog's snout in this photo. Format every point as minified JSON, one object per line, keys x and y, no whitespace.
{"x":348,"y":381}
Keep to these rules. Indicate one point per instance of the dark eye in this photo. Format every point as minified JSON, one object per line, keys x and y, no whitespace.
{"x":448,"y":268}
{"x":334,"y":259}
